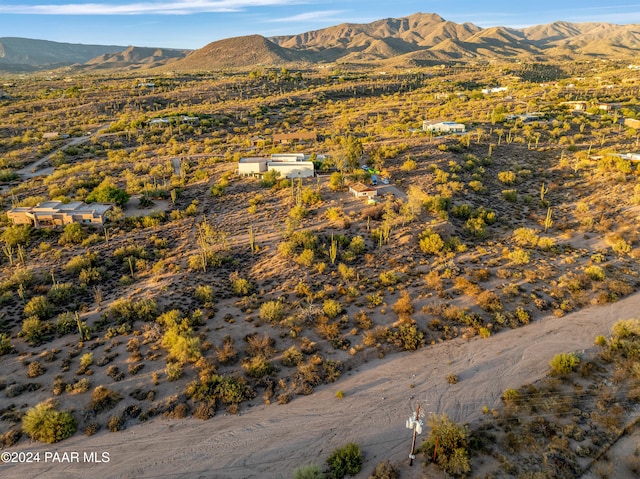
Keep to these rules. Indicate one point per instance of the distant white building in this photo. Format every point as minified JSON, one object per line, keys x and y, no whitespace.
{"x":499,"y":89}
{"x":443,"y":127}
{"x":289,"y":165}
{"x":252,"y":166}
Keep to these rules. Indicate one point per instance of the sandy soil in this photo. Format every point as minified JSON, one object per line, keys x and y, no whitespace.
{"x":271,"y":441}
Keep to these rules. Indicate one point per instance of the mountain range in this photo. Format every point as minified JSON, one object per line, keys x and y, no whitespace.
{"x":421,"y":38}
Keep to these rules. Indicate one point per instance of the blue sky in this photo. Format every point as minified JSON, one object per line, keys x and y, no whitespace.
{"x":193,"y":24}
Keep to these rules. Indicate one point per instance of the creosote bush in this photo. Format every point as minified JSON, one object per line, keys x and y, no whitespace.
{"x":45,"y":423}
{"x":448,"y":443}
{"x":564,"y":363}
{"x":346,"y":460}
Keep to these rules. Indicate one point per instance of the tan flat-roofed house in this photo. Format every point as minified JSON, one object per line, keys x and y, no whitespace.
{"x":360,"y":190}
{"x":54,"y":213}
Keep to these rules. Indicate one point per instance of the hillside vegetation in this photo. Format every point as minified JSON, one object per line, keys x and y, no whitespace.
{"x":208,"y":292}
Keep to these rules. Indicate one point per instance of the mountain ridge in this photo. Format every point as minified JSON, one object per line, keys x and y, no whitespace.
{"x":422,"y":37}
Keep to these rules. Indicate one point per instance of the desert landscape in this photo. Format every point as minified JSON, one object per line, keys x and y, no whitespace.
{"x":218,"y":321}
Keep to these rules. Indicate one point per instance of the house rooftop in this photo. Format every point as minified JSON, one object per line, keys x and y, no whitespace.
{"x":361,"y":188}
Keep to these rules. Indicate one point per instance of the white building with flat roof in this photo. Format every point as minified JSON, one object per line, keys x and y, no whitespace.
{"x":443,"y":127}
{"x":289,"y":165}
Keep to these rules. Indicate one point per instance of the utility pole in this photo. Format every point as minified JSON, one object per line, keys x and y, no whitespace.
{"x":415,"y":422}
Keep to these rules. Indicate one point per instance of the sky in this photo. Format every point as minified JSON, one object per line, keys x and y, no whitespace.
{"x":191,"y":24}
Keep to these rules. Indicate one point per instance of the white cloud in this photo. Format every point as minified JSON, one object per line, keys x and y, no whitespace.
{"x":324,"y":15}
{"x":178,"y":7}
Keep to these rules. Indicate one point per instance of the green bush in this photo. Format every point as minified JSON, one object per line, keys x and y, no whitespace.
{"x":564,"y":363}
{"x":510,"y":195}
{"x":34,"y":330}
{"x":5,"y":344}
{"x":46,"y":424}
{"x":431,"y":243}
{"x":345,"y":460}
{"x":596,"y":273}
{"x":204,"y":294}
{"x":331,"y":308}
{"x":447,"y":442}
{"x":72,"y":234}
{"x":38,"y":306}
{"x":271,"y":311}
{"x":311,"y":471}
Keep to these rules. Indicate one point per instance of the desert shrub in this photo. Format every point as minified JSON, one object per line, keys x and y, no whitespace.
{"x":72,"y":234}
{"x":331,"y":370}
{"x":60,"y":293}
{"x":78,"y":387}
{"x":431,"y":243}
{"x":260,"y":345}
{"x":526,"y":237}
{"x":357,"y":245}
{"x":331,"y":308}
{"x":86,"y":360}
{"x":305,"y":258}
{"x":228,"y":353}
{"x":519,"y":256}
{"x":374,"y":300}
{"x":15,"y":235}
{"x":388,"y":278}
{"x":5,"y":344}
{"x":76,"y":264}
{"x":38,"y":306}
{"x":271,"y":311}
{"x":173,"y":370}
{"x":601,"y":341}
{"x":91,"y":275}
{"x":511,"y":396}
{"x":258,"y":367}
{"x":114,"y":373}
{"x":35,"y":369}
{"x":409,"y":337}
{"x":510,"y":195}
{"x":292,"y":357}
{"x":45,"y":423}
{"x":477,"y":186}
{"x":448,"y":443}
{"x":384,"y":470}
{"x":204,"y":294}
{"x":595,"y":273}
{"x":507,"y":177}
{"x":10,"y":438}
{"x":91,"y":428}
{"x":241,"y":286}
{"x":33,"y":330}
{"x":404,"y":305}
{"x":564,"y":363}
{"x":115,"y":423}
{"x":621,"y":246}
{"x":227,"y":389}
{"x":346,"y":460}
{"x":310,"y":471}
{"x":103,"y":399}
{"x":489,"y":301}
{"x":181,"y":343}
{"x":347,"y":273}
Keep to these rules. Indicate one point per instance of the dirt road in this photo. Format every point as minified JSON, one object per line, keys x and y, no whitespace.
{"x":270,"y":441}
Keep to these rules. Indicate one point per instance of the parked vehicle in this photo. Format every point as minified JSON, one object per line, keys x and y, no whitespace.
{"x":385,"y":181}
{"x":374,"y":180}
